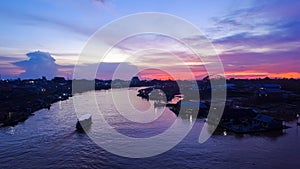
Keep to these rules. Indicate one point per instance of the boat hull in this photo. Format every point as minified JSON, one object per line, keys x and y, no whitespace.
{"x":84,"y":122}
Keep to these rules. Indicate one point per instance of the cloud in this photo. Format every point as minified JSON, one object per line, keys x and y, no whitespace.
{"x":268,"y":63}
{"x":68,"y":17}
{"x":124,"y":71}
{"x":262,"y":40}
{"x":103,"y":2}
{"x":5,"y":59}
{"x":262,"y":18}
{"x":43,"y":64}
{"x":39,"y":64}
{"x":58,"y":23}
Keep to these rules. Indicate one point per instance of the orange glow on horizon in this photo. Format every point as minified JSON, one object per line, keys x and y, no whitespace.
{"x":173,"y":75}
{"x":237,"y":75}
{"x":199,"y":75}
{"x":295,"y":75}
{"x":255,"y":74}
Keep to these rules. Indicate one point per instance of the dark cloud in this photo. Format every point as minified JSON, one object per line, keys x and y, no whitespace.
{"x":280,"y":33}
{"x":272,"y":62}
{"x":272,"y":20}
{"x":43,"y":64}
{"x":105,"y":70}
{"x":122,"y":70}
{"x":262,"y":38}
{"x":38,"y":64}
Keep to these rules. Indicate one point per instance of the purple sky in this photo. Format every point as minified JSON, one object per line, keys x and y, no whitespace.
{"x":252,"y":38}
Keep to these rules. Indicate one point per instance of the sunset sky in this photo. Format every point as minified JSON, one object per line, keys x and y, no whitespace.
{"x":253,"y":39}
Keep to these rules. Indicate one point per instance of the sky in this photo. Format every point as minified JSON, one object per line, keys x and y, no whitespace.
{"x":253,"y":39}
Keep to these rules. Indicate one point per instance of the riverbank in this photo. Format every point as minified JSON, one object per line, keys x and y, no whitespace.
{"x":20,"y":99}
{"x":251,"y":105}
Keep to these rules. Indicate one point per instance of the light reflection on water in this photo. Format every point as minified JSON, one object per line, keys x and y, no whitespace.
{"x":49,"y":140}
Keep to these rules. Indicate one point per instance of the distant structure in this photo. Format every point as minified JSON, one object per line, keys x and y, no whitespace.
{"x":44,"y":78}
{"x":135,"y":81}
{"x":59,"y":79}
{"x":269,"y":92}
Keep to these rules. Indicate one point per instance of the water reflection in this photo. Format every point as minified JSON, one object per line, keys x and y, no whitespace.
{"x":49,"y":140}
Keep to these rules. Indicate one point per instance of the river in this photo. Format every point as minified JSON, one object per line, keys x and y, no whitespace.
{"x":49,"y":140}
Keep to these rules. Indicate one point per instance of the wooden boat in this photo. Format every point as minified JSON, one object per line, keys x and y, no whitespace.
{"x":84,"y":122}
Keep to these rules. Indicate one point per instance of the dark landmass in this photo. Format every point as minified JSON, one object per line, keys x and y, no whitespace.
{"x":251,"y":106}
{"x":276,"y":98}
{"x":21,"y":98}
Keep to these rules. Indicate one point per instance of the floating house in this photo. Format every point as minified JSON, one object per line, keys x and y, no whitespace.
{"x":267,"y":122}
{"x":269,"y":92}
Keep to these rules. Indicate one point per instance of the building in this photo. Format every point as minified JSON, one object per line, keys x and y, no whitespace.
{"x":269,"y":92}
{"x":267,"y":122}
{"x":135,"y":82}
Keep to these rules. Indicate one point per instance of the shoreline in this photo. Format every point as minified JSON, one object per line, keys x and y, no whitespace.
{"x":23,"y":114}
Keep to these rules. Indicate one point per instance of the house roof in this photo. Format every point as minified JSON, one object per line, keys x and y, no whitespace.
{"x":263,"y":118}
{"x":269,"y":85}
{"x":267,"y":91}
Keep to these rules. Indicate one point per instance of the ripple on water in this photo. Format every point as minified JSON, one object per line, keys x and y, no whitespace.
{"x":49,"y":140}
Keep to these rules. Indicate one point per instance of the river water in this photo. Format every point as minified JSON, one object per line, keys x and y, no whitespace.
{"x":49,"y":140}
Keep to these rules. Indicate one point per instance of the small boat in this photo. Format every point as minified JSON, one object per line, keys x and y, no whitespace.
{"x":84,"y":122}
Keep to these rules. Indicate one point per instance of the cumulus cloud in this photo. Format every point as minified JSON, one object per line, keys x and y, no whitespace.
{"x":38,"y":64}
{"x":41,"y":64}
